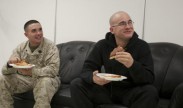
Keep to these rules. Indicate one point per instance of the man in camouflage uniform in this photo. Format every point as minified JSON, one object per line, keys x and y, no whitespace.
{"x":43,"y":78}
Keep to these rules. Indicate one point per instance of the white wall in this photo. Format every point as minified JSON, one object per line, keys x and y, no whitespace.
{"x":89,"y":19}
{"x":164,"y":21}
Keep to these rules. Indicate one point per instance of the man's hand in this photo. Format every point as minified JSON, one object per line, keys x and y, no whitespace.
{"x":125,"y":58}
{"x":115,"y":50}
{"x":121,"y":56}
{"x":13,"y":60}
{"x":98,"y":80}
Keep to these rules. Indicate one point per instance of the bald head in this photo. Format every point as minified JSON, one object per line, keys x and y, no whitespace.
{"x":117,"y":16}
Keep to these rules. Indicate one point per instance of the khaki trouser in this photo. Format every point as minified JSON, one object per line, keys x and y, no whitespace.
{"x":43,"y":89}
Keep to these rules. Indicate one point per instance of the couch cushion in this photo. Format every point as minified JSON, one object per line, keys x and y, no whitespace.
{"x":168,"y":67}
{"x":163,"y":103}
{"x":24,"y":99}
{"x":174,"y":73}
{"x":63,"y":96}
{"x":72,"y":56}
{"x":25,"y":96}
{"x":111,"y":106}
{"x":23,"y":103}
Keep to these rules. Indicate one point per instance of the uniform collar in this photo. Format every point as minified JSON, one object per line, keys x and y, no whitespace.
{"x":37,"y":50}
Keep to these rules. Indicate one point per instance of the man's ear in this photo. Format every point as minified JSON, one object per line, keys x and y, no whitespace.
{"x":25,"y":34}
{"x":111,"y":30}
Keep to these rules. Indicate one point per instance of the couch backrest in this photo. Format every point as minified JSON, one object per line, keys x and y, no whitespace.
{"x":72,"y":56}
{"x":168,"y":66}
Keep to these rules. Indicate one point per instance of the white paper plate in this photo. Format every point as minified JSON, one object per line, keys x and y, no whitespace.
{"x":111,"y":77}
{"x":22,"y":67}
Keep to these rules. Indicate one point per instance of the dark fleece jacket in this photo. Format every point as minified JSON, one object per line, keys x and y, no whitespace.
{"x":141,"y":71}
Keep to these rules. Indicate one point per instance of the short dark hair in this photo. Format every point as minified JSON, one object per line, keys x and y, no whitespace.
{"x":29,"y":23}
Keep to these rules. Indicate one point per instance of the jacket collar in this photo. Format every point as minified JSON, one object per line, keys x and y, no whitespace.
{"x":111,"y":40}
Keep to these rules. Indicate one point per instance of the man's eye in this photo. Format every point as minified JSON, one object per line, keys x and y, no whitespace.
{"x":122,"y":23}
{"x":129,"y":22}
{"x":40,"y":29}
{"x":33,"y":30}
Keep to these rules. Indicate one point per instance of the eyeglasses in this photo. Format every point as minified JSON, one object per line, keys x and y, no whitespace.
{"x":124,"y":24}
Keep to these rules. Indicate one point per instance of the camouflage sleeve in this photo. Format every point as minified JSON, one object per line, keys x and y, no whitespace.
{"x":52,"y":62}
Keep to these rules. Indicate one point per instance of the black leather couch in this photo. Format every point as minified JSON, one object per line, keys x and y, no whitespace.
{"x":168,"y":68}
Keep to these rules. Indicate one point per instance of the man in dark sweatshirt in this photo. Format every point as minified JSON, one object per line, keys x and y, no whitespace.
{"x":121,"y":53}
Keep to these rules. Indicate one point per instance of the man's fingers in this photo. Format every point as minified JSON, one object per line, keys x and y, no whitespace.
{"x":95,"y":72}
